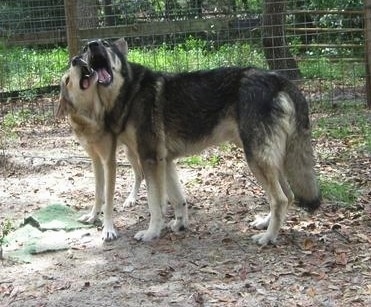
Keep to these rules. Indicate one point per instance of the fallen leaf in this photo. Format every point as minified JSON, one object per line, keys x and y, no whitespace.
{"x":308,"y":244}
{"x":341,"y":259}
{"x":311,"y":292}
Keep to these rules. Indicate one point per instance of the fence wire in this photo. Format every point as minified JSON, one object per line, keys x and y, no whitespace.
{"x":321,"y":44}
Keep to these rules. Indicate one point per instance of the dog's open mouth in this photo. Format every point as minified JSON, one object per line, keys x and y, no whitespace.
{"x":100,"y":64}
{"x":87,"y":73}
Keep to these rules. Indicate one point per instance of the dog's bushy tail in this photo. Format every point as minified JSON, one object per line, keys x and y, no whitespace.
{"x":299,"y":160}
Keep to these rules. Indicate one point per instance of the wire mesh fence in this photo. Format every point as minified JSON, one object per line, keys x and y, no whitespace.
{"x":320,"y":44}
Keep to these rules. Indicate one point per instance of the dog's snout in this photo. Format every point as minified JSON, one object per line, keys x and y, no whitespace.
{"x":78,"y":61}
{"x":75,"y":60}
{"x":93,"y":44}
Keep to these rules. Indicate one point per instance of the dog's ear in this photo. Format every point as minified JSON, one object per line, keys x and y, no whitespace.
{"x":62,"y":107}
{"x":122,"y":45}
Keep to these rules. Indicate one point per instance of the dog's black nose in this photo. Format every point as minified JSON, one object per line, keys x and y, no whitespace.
{"x":78,"y":61}
{"x":93,"y":44}
{"x":75,"y":60}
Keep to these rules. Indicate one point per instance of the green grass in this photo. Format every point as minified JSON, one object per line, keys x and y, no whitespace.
{"x":21,"y":118}
{"x":27,"y":68}
{"x":343,"y":193}
{"x":350,"y":123}
{"x":324,"y":68}
{"x":197,"y":54}
{"x":201,"y":161}
{"x":344,"y":133}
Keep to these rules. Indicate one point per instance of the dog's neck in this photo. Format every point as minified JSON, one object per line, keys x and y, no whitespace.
{"x":87,"y":117}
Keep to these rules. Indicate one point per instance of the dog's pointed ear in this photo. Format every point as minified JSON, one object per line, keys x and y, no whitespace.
{"x":62,"y":107}
{"x":122,"y":45}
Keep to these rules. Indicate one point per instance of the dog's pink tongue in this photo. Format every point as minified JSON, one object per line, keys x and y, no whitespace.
{"x":104,"y":76}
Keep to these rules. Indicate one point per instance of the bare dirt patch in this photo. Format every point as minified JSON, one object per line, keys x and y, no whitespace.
{"x":319,"y":260}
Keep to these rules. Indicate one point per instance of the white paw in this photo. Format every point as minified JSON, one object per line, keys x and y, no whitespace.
{"x":264,"y":238}
{"x":89,"y":218}
{"x":129,"y":202}
{"x":261,"y":222}
{"x":147,"y":235}
{"x":109,"y":233}
{"x":178,"y":225}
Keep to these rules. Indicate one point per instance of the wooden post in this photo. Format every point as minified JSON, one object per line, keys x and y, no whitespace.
{"x":70,"y":8}
{"x":367,"y":16}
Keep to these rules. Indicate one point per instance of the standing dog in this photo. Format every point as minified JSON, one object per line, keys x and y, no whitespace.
{"x":79,"y":99}
{"x":161,"y":116}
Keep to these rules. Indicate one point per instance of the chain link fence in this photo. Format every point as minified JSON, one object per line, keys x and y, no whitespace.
{"x":320,"y":44}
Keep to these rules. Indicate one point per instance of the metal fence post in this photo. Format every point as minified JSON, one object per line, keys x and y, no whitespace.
{"x":70,"y":7}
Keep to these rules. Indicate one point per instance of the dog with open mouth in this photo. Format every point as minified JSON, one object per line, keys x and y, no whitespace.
{"x":162,"y":116}
{"x":79,"y":100}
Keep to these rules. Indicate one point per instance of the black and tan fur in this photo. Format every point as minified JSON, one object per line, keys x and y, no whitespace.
{"x":161,"y":117}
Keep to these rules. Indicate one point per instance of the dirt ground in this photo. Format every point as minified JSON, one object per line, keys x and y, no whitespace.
{"x":322,"y":259}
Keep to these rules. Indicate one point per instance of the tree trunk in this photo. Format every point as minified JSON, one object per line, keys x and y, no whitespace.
{"x":275,"y":46}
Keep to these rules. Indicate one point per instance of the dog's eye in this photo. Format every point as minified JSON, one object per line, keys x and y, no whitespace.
{"x":105,"y":43}
{"x":67,"y":80}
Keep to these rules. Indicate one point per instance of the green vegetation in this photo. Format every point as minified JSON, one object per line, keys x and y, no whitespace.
{"x":21,"y":118}
{"x":343,"y":138}
{"x":5,"y":228}
{"x":201,"y":161}
{"x":27,"y":68}
{"x":343,"y":193}
{"x":196,"y":54}
{"x":349,"y":123}
{"x":322,"y":67}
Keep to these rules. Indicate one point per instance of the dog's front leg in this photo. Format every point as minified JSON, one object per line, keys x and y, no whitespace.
{"x":154,"y":174}
{"x":109,"y":166}
{"x":99,"y":188}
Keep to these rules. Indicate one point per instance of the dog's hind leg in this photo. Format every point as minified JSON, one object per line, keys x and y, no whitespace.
{"x":154,"y":174}
{"x":269,"y":177}
{"x":99,"y":189}
{"x":138,"y":177}
{"x":263,"y":222}
{"x":176,"y":198}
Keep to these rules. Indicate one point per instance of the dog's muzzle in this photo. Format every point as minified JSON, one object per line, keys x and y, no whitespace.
{"x":99,"y":61}
{"x":87,"y":73}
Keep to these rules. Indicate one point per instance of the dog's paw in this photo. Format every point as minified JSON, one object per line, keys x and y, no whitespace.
{"x":129,"y":202}
{"x":109,"y":233}
{"x":178,"y":225}
{"x":89,"y":218}
{"x":147,"y":235}
{"x":260,"y":222}
{"x":264,"y":238}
